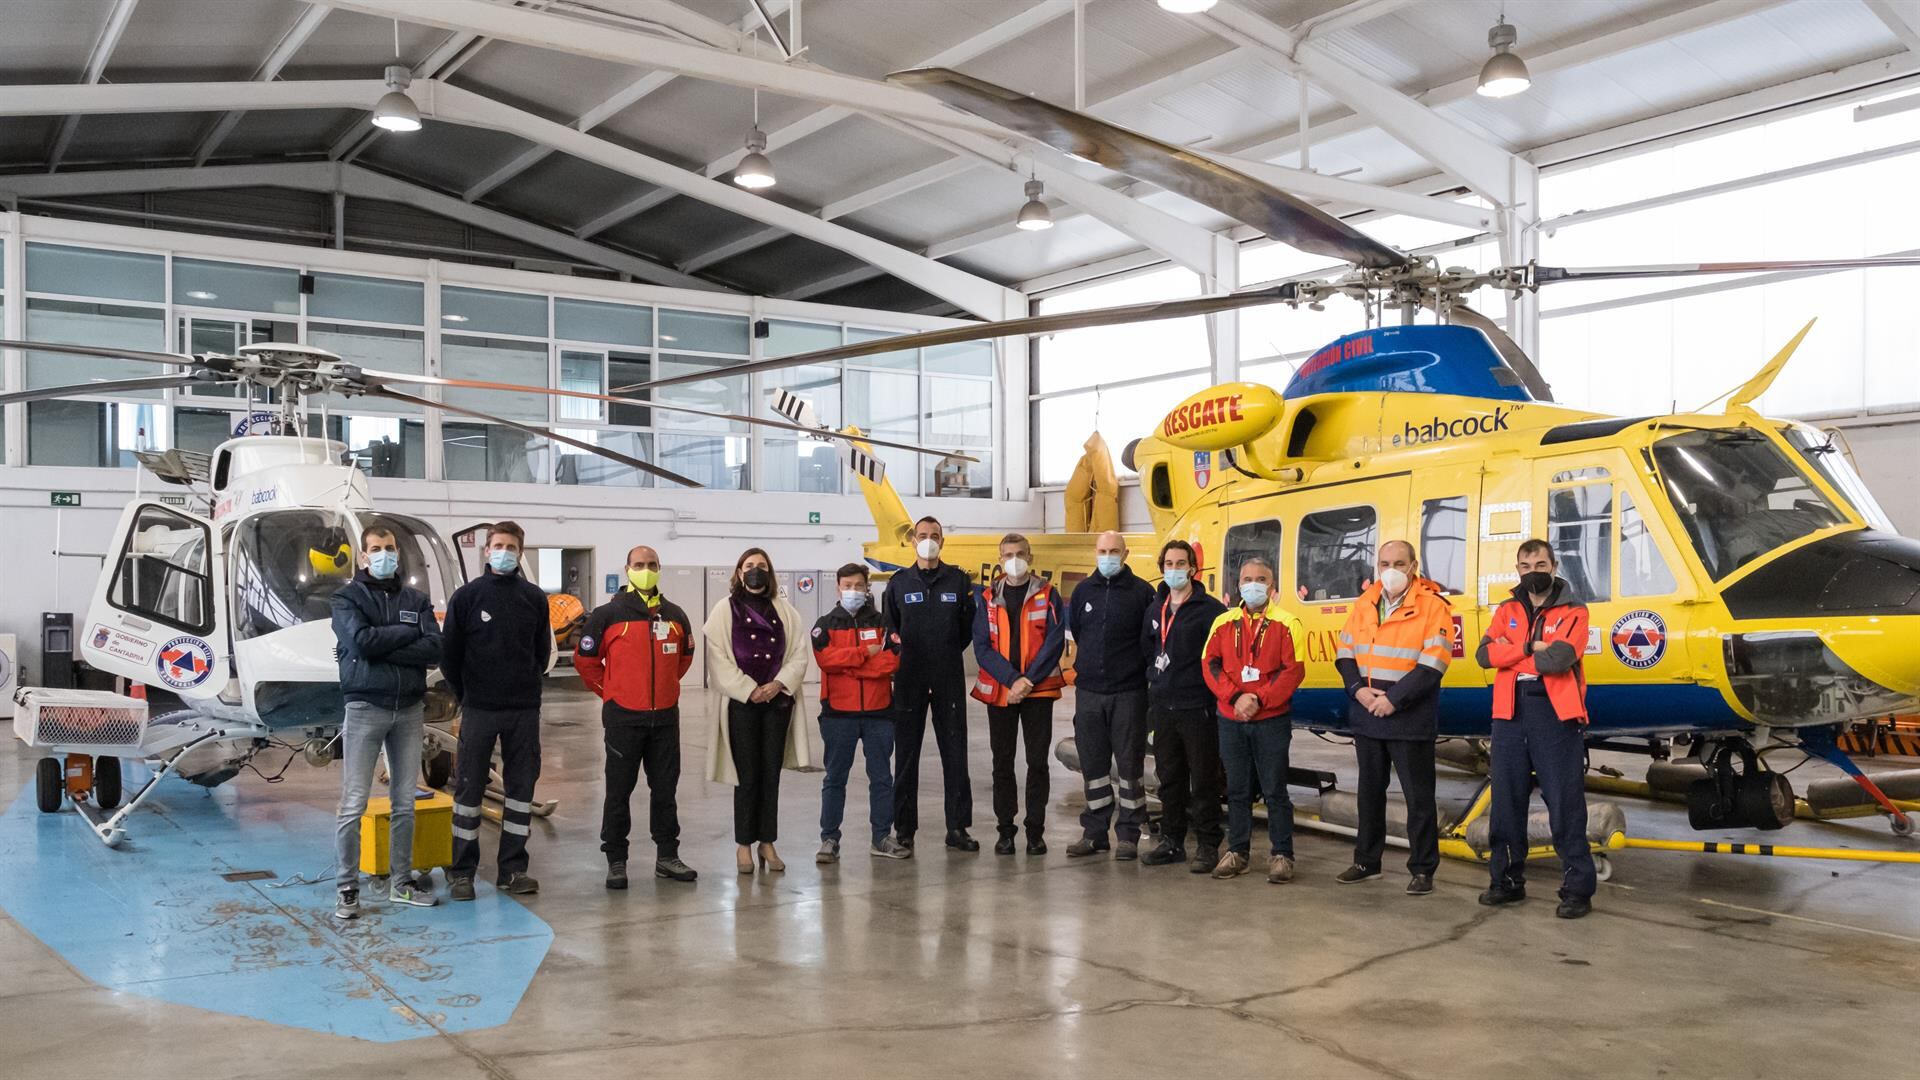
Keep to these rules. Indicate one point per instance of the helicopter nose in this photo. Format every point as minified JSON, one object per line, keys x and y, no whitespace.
{"x":1858,"y":573}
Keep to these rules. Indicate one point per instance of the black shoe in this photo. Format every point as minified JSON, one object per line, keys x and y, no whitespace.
{"x":1204,"y":860}
{"x":460,"y":888}
{"x":1497,"y":895}
{"x":1165,"y":854}
{"x":670,"y":866}
{"x":1004,"y":845}
{"x":1573,"y":907}
{"x":958,"y":840}
{"x":617,"y":874}
{"x":1356,"y":873}
{"x":518,"y":884}
{"x":1420,"y":885}
{"x":905,"y":840}
{"x":1037,"y":846}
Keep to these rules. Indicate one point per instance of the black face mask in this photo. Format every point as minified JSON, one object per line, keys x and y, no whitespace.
{"x":755,"y":579}
{"x":1538,"y":582}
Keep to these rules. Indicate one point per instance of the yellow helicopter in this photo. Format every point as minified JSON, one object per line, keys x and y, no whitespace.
{"x":1745,"y":589}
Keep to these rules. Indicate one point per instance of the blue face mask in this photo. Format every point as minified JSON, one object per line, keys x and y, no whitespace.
{"x":1253,"y":592}
{"x":383,"y":564}
{"x":853,"y":600}
{"x":1178,"y":578}
{"x":1109,"y":564}
{"x":502,"y":560}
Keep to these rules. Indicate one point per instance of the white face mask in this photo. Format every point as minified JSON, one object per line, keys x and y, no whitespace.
{"x":928,"y":548}
{"x":1393,"y":580}
{"x":1016,"y":569}
{"x":853,"y":599}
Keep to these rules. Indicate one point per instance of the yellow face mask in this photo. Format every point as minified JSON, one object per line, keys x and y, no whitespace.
{"x":644,"y":580}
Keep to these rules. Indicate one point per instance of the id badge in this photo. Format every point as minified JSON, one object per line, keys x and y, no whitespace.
{"x":1160,"y":662}
{"x":661,"y":630}
{"x":1249,"y":674}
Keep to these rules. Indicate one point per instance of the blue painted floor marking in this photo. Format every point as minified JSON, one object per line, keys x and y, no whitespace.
{"x":156,"y":919}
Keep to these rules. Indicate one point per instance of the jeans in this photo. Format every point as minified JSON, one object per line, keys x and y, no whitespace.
{"x":366,"y":730}
{"x":1257,"y":747}
{"x":842,"y":732}
{"x":631,"y":748}
{"x":757,"y":739}
{"x":1536,"y":745}
{"x":1110,"y":731}
{"x":1031,"y":723}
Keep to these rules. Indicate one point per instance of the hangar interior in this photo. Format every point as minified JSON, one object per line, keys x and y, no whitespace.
{"x":580,"y":197}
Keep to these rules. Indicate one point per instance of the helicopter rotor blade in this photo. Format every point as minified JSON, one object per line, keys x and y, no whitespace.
{"x":1039,"y":324}
{"x":207,"y":363}
{"x":599,"y":451}
{"x":1550,"y":275}
{"x":1284,"y":217}
{"x":113,"y":386}
{"x":779,"y":425}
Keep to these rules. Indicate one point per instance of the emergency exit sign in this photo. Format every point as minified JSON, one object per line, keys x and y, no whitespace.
{"x":72,"y":498}
{"x":813,"y":517}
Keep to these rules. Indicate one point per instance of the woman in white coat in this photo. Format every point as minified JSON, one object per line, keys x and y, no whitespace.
{"x":757,"y":654}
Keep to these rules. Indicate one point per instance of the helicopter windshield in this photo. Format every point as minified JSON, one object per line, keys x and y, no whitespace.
{"x":287,"y":564}
{"x":1820,"y":451}
{"x":1739,"y":496}
{"x":426,"y":563}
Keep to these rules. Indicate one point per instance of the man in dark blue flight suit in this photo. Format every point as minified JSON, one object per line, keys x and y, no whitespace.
{"x":930,"y":606}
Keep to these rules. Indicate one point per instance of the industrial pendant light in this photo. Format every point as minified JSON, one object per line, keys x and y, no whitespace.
{"x":1504,"y":74}
{"x":754,"y":170}
{"x":1034,"y":215}
{"x":1186,"y":7}
{"x":395,"y":111}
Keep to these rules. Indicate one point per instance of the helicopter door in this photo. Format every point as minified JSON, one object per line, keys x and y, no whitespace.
{"x":470,"y":543}
{"x":1444,"y":510}
{"x":157,"y":616}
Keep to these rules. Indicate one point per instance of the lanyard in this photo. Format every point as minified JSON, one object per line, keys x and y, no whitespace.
{"x":1258,"y":634}
{"x":1167,"y":613}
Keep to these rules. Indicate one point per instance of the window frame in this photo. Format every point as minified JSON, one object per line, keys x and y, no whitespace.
{"x":1299,"y":561}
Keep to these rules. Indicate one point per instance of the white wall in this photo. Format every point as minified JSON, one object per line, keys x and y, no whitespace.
{"x":690,"y":528}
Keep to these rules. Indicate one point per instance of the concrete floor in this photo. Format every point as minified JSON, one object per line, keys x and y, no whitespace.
{"x":975,"y":965}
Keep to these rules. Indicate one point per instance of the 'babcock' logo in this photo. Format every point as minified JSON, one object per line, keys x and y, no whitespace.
{"x":1440,"y":429}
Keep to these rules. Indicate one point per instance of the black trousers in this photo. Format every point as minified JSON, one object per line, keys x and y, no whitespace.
{"x":1110,"y":731}
{"x":1412,"y":762}
{"x":1030,"y":722}
{"x":517,"y":731}
{"x":1536,"y":746}
{"x":757,"y":739}
{"x":946,"y":698}
{"x":1186,"y":759}
{"x":631,"y":748}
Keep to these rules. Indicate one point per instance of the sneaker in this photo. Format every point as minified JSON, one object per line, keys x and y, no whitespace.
{"x":1037,"y":846}
{"x":1573,"y":907}
{"x":1204,"y":860}
{"x":958,"y":840}
{"x":1279,"y":869}
{"x":888,"y":848}
{"x":671,"y":868}
{"x":1356,"y":873}
{"x":1231,"y":865}
{"x":829,"y":852}
{"x":347,"y":906}
{"x":518,"y":883}
{"x":617,"y":874}
{"x":1420,"y":885}
{"x":1084,"y":847}
{"x":1004,"y":845}
{"x":1499,"y":894}
{"x":460,"y":888}
{"x":412,"y":892}
{"x":1126,"y":851}
{"x":1165,"y":854}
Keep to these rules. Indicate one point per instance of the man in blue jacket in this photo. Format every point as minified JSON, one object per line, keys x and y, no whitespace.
{"x":496,"y":645}
{"x":386,"y":639}
{"x":1104,"y":617}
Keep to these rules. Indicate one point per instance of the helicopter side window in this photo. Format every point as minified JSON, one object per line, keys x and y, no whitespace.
{"x":1643,"y":570}
{"x":1443,"y":542}
{"x":1739,"y":496}
{"x":1335,"y":559}
{"x":287,"y":564}
{"x":1260,"y":538}
{"x":163,"y":574}
{"x":1580,"y":528}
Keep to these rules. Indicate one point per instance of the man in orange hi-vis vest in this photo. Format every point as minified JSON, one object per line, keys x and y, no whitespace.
{"x":1019,"y":632}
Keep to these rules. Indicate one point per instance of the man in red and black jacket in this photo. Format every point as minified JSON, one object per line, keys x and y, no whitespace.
{"x":633,"y":652}
{"x":1534,"y":644}
{"x":858,"y":655}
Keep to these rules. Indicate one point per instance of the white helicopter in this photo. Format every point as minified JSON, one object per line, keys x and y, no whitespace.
{"x":225,"y":604}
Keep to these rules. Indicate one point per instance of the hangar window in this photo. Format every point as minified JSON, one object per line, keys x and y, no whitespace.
{"x":1443,"y":542}
{"x":1260,"y":538}
{"x":1580,"y":528}
{"x":1335,"y":559}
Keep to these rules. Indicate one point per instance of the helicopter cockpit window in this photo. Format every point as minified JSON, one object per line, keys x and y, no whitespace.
{"x":287,"y":564}
{"x":1739,"y":496}
{"x":1335,"y":559}
{"x":1580,"y":528}
{"x":162,"y":573}
{"x":1260,"y":538}
{"x":426,"y":563}
{"x":1823,"y":452}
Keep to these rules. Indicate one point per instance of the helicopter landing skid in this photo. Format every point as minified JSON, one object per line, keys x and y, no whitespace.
{"x":1820,"y":743}
{"x":111,"y":829}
